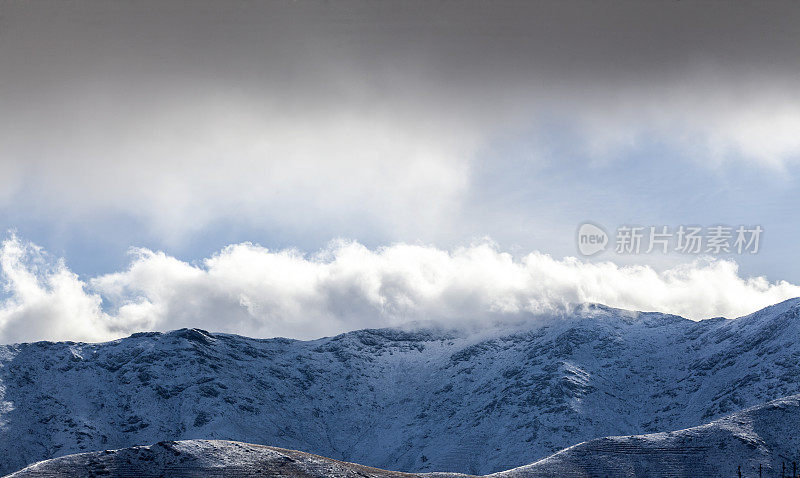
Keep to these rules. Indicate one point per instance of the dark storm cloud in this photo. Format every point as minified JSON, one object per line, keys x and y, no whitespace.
{"x":453,"y":52}
{"x":314,"y":108}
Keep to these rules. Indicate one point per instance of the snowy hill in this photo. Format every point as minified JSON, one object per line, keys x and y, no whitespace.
{"x":764,"y":435}
{"x":194,"y":458}
{"x":424,"y":400}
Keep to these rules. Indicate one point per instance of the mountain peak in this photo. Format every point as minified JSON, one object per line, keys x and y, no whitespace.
{"x":194,"y":335}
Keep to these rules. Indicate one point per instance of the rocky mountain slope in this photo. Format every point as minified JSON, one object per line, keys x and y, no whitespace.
{"x":194,"y":458}
{"x":764,"y":436}
{"x":473,"y":402}
{"x":741,"y":442}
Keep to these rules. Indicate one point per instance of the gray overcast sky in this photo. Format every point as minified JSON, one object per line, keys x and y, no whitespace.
{"x":188,"y":126}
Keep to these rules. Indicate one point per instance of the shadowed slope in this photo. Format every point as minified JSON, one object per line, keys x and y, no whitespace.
{"x":763,"y":435}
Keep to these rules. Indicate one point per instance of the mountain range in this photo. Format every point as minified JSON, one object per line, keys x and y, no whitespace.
{"x":759,"y":441}
{"x":472,"y":401}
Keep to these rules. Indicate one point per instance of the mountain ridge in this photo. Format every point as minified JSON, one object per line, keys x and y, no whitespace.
{"x":423,"y":400}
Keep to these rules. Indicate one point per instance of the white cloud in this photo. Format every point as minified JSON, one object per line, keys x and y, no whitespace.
{"x":180,"y":166}
{"x":46,"y":300}
{"x":398,"y":168}
{"x":250,"y":290}
{"x":701,"y":113}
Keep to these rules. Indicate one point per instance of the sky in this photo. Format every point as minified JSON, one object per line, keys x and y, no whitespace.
{"x":306,"y":168}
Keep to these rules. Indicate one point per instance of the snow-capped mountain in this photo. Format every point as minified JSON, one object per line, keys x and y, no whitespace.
{"x":473,"y":402}
{"x":760,"y":438}
{"x":763,"y":437}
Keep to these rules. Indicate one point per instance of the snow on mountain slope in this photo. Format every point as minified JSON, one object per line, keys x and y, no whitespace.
{"x":765,"y":435}
{"x":414,"y":401}
{"x":194,"y":458}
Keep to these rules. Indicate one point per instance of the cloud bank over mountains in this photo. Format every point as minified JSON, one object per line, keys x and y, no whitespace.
{"x":250,"y":290}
